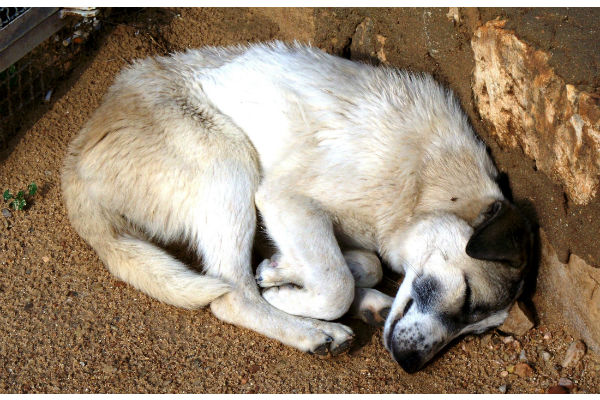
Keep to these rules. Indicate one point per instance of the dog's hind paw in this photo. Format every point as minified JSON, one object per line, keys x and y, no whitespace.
{"x":371,"y":306}
{"x":275,"y":272}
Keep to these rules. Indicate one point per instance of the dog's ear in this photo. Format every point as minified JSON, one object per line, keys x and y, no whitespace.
{"x":503,"y":235}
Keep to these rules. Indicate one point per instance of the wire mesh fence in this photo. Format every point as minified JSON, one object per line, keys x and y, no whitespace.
{"x":32,"y":79}
{"x":9,"y":14}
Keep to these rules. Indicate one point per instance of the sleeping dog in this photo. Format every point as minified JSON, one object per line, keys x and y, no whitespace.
{"x":345,"y":162}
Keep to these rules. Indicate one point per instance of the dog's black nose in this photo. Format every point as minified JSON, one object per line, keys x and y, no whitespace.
{"x":410,"y":361}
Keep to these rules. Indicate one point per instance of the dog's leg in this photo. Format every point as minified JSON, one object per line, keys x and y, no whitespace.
{"x":365,"y":267}
{"x":304,"y":235}
{"x":276,"y":271}
{"x":369,"y":305}
{"x":226,"y":248}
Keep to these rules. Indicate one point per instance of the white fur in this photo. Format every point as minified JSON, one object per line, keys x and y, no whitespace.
{"x":330,"y":152}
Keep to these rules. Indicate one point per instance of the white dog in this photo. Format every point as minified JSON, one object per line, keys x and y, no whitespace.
{"x":342,"y":160}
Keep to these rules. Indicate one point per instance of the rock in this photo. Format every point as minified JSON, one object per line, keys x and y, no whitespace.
{"x":569,"y":294}
{"x":557,"y":390}
{"x":519,"y":320}
{"x":532,"y":108}
{"x":504,"y":374}
{"x":523,"y":356}
{"x":503,"y":389}
{"x":523,"y":370}
{"x":453,"y":15}
{"x":45,"y":259}
{"x":566,"y":382}
{"x":575,"y":353}
{"x":6,"y":212}
{"x":366,"y":45}
{"x":508,"y":340}
{"x":546,"y":356}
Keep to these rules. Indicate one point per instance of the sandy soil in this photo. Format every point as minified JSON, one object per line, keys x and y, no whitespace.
{"x":66,"y":325}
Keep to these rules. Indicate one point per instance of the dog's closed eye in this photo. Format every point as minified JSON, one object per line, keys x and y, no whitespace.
{"x":468,"y":293}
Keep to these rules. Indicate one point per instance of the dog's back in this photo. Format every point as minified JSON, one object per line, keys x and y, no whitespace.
{"x":184,"y":148}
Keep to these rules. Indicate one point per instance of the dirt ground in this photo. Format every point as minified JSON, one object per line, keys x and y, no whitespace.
{"x":66,"y":325}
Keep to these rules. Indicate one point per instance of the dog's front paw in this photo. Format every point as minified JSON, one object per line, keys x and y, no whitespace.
{"x":339,"y":339}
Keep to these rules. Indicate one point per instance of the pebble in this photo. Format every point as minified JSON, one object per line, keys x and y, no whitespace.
{"x":523,"y":370}
{"x":508,"y":339}
{"x":519,"y":320}
{"x":557,"y":390}
{"x":566,"y":382}
{"x":502,"y":389}
{"x":523,"y":356}
{"x":546,"y":356}
{"x":45,"y":259}
{"x":574,"y":354}
{"x":6,"y":212}
{"x":504,"y":374}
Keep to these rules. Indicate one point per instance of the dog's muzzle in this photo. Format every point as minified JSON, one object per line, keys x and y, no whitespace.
{"x":413,"y":338}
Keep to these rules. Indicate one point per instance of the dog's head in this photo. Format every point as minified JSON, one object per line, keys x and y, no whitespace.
{"x":458,"y":279}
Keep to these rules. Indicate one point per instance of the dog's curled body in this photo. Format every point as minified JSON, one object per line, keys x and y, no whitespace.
{"x":335,"y":155}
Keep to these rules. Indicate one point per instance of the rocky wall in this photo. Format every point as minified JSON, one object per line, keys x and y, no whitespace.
{"x":529,"y":79}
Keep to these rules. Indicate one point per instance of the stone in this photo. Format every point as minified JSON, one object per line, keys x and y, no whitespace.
{"x":366,"y":45}
{"x":574,"y":354}
{"x":519,"y":320}
{"x":6,"y":213}
{"x":503,"y":389}
{"x":569,"y":294}
{"x":508,"y":339}
{"x":523,"y":356}
{"x":546,"y":356}
{"x":529,"y":106}
{"x":557,"y":390}
{"x":566,"y":382}
{"x":523,"y":370}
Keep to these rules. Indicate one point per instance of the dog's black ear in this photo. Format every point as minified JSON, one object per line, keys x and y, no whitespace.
{"x":503,"y":235}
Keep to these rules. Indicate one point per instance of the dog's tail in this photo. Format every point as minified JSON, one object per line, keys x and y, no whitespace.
{"x":136,"y":261}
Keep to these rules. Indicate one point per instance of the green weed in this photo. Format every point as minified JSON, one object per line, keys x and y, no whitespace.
{"x":19,"y":202}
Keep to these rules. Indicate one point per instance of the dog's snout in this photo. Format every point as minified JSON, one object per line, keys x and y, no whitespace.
{"x":410,"y":361}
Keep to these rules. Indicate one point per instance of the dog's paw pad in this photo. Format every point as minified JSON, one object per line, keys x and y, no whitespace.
{"x":375,"y":317}
{"x":321,"y":350}
{"x":342,"y":347}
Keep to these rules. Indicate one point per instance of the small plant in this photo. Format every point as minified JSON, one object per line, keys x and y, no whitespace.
{"x":19,"y":202}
